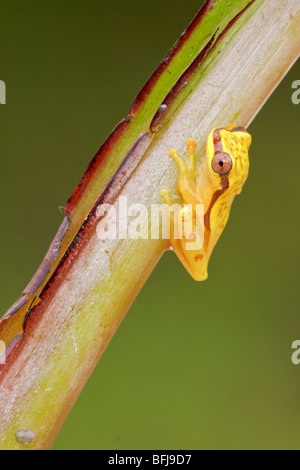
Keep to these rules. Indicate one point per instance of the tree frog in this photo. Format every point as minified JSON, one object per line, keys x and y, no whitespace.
{"x":220,"y":177}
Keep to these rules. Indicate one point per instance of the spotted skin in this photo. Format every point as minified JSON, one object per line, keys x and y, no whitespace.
{"x":227,"y":153}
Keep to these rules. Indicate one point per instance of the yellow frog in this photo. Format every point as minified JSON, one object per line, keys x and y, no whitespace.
{"x":221,"y":176}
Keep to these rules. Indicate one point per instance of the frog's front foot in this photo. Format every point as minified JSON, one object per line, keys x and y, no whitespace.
{"x":187,"y":177}
{"x":167,"y":197}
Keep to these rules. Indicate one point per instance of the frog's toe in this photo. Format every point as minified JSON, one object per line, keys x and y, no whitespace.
{"x":165,"y":194}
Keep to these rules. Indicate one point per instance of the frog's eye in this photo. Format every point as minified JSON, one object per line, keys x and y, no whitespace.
{"x":221,"y":163}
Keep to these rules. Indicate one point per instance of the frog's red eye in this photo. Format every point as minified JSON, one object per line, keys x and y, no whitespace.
{"x":221,"y":163}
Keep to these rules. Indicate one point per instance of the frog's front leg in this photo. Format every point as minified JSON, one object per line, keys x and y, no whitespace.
{"x":187,"y":178}
{"x":187,"y":174}
{"x":185,"y":224}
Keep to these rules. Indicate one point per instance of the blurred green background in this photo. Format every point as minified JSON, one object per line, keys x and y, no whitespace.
{"x":217,"y":373}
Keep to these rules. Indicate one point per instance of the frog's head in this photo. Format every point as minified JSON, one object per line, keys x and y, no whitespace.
{"x":223,"y":173}
{"x":227,"y":158}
